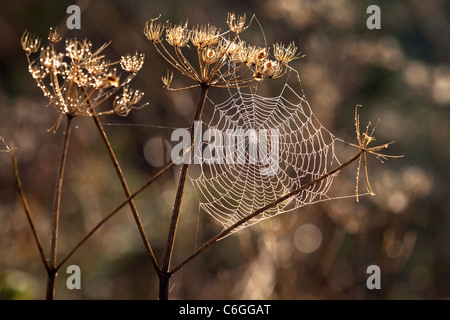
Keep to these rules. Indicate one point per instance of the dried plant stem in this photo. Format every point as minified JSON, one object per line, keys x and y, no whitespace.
{"x":165,"y":277}
{"x":56,"y":211}
{"x":228,"y":230}
{"x":113,"y":212}
{"x":126,"y":189}
{"x":27,"y":208}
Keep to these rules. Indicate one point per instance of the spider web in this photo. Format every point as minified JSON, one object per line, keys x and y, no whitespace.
{"x":285,"y":123}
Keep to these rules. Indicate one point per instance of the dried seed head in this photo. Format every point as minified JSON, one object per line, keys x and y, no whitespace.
{"x":285,"y":54}
{"x":53,"y":36}
{"x":255,"y":56}
{"x":125,"y":102}
{"x":205,"y":36}
{"x":78,"y":51}
{"x":167,"y":80}
{"x":97,"y":67}
{"x":216,"y":52}
{"x":262,"y":55}
{"x":209,"y":55}
{"x":177,"y":36}
{"x":30,"y":42}
{"x":112,"y":79}
{"x":38,"y":71}
{"x":237,"y":25}
{"x":231,"y":49}
{"x":240,"y":52}
{"x":152,"y":30}
{"x":268,"y":64}
{"x":78,"y":76}
{"x":258,"y":76}
{"x":132,"y":63}
{"x":52,"y":60}
{"x":78,"y":80}
{"x":271,"y":68}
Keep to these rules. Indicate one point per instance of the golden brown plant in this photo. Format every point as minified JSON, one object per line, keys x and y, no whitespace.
{"x":78,"y":80}
{"x":223,"y":59}
{"x":237,"y":24}
{"x":364,"y":139}
{"x":285,"y":54}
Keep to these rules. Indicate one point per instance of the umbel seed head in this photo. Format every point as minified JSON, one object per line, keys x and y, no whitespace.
{"x":223,"y":59}
{"x":285,"y":54}
{"x":132,"y":63}
{"x":30,"y":42}
{"x":79,"y":80}
{"x":177,"y":35}
{"x":237,"y":24}
{"x":53,"y":36}
{"x":153,"y":31}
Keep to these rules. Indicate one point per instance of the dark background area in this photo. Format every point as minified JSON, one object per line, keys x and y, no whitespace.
{"x":401,"y":74}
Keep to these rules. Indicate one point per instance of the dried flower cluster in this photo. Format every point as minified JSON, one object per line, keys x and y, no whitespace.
{"x":78,"y":80}
{"x":364,"y":139}
{"x":224,"y":60}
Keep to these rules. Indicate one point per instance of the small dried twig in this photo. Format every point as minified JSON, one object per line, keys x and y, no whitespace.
{"x":127,"y":192}
{"x":26,"y":208}
{"x":364,"y":139}
{"x":7,"y":149}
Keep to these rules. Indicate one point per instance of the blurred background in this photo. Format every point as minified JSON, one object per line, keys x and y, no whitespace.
{"x":400,"y":73}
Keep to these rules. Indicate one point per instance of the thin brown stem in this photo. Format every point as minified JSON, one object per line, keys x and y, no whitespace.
{"x":228,"y":230}
{"x":164,"y":280}
{"x":185,"y":62}
{"x":27,"y":208}
{"x":56,"y":210}
{"x":113,"y":212}
{"x":126,"y":189}
{"x":172,"y":61}
{"x":220,"y":61}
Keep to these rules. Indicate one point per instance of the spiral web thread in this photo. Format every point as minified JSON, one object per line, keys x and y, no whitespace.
{"x":229,"y":192}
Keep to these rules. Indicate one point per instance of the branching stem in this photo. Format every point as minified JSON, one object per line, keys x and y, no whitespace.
{"x":27,"y":208}
{"x":164,"y":279}
{"x":126,"y":189}
{"x":52,"y":272}
{"x":113,"y":212}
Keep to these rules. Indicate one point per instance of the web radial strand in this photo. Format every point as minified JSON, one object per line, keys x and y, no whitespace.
{"x":230,"y":191}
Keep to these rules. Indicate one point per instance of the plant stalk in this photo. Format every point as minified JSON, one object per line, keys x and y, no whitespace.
{"x":164,"y":279}
{"x":126,"y":189}
{"x":27,"y":208}
{"x":52,"y":272}
{"x":113,"y":212}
